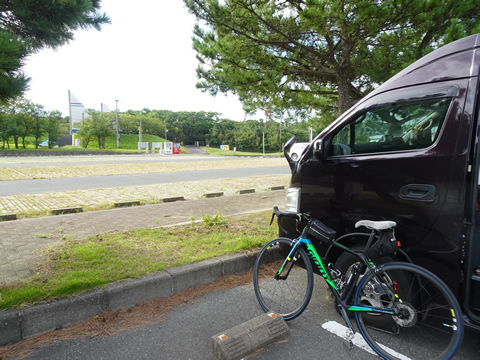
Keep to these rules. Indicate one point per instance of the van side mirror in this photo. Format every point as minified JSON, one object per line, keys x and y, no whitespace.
{"x":286,"y":148}
{"x":289,"y":143}
{"x":318,"y":149}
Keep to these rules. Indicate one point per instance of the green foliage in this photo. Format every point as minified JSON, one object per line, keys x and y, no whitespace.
{"x":317,"y":56}
{"x":22,"y":119}
{"x":27,"y":26}
{"x":98,"y":125}
{"x":186,"y":127}
{"x":12,"y":54}
{"x":52,"y":122}
{"x":214,"y":221}
{"x":30,"y":123}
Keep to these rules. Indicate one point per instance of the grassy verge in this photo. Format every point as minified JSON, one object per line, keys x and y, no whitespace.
{"x":77,"y":266}
{"x":216,"y":151}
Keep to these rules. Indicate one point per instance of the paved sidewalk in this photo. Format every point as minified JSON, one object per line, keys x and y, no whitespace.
{"x":20,"y":240}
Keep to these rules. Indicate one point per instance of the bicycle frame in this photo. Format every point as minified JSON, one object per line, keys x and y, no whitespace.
{"x":349,"y":285}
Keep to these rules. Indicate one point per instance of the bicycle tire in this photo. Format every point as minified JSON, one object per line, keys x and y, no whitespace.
{"x":287,"y":297}
{"x":429,"y":324}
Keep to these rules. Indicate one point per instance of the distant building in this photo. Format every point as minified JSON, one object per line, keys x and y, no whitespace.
{"x":78,"y":113}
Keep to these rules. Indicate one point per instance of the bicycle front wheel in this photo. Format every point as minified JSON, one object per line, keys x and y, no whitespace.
{"x":427,"y":321}
{"x":289,"y":293}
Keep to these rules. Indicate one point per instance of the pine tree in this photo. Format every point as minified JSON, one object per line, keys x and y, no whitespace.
{"x":29,"y":25}
{"x":317,"y":55}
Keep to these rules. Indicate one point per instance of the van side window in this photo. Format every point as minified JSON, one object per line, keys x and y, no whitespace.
{"x":395,"y":127}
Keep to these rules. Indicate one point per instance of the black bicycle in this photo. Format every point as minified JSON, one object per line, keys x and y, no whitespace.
{"x":402,"y":310}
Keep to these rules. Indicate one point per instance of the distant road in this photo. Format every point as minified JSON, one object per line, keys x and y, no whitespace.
{"x":39,"y":186}
{"x":99,"y":160}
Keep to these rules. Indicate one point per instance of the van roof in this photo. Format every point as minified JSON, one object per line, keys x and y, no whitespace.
{"x":452,"y":61}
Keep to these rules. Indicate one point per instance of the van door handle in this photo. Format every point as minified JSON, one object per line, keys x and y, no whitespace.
{"x":418,"y":192}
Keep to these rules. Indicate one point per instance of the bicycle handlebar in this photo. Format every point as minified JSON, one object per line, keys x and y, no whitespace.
{"x":280,"y":214}
{"x":311,"y":227}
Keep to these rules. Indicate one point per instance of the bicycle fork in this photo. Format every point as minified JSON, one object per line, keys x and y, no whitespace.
{"x":288,"y":265}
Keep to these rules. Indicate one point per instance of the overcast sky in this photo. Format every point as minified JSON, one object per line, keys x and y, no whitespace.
{"x":144,"y":59}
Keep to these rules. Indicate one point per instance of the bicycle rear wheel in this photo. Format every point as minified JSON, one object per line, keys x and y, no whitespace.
{"x":289,"y":294}
{"x":428,"y":322}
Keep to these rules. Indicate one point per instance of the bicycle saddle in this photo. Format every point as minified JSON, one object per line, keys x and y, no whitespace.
{"x":376,"y":225}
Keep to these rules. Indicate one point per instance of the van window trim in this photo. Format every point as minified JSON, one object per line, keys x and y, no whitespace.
{"x":448,"y":91}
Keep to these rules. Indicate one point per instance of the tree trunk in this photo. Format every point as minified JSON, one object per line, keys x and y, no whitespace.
{"x":344,"y":102}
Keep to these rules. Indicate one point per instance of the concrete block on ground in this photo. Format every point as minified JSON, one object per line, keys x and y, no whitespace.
{"x":173,"y":199}
{"x":195,"y":274}
{"x":8,"y":217}
{"x":127,"y":203}
{"x":273,"y":188}
{"x":10,"y":327}
{"x":128,"y":293}
{"x":246,"y":191}
{"x":72,"y":210}
{"x":42,"y":318}
{"x":248,"y":337}
{"x":212,"y":195}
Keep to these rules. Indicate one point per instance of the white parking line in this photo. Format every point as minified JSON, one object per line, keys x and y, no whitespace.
{"x":358,"y":340}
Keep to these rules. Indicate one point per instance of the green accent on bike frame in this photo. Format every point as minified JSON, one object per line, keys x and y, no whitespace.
{"x":318,"y":261}
{"x":357,"y":308}
{"x":340,"y":245}
{"x":283,"y":265}
{"x":367,"y":309}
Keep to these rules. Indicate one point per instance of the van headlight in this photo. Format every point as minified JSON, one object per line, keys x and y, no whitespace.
{"x":292,"y":199}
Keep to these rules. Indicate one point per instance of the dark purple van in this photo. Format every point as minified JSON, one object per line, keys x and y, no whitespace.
{"x":408,"y":152}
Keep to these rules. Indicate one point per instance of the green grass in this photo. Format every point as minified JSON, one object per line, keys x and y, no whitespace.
{"x":217,"y":151}
{"x":78,"y":266}
{"x":128,"y":143}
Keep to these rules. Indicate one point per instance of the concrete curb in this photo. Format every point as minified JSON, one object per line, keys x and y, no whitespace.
{"x":21,"y":324}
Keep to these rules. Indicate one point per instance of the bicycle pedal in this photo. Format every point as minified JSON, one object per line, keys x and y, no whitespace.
{"x":347,"y":345}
